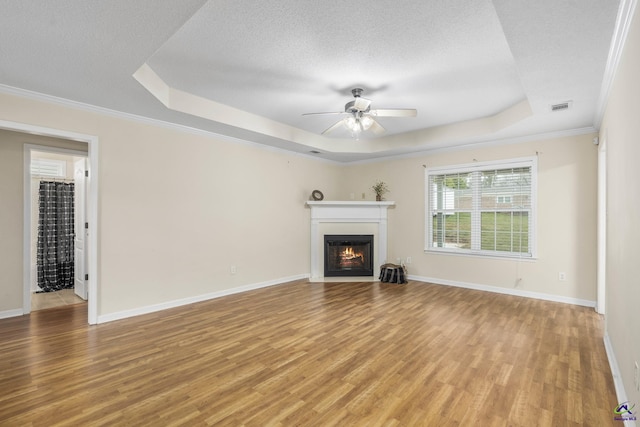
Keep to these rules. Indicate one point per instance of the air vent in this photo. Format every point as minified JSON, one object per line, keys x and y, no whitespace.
{"x":561,"y":107}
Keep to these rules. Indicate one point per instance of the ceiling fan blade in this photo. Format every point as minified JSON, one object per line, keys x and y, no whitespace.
{"x":333,"y":127}
{"x":361,"y":104}
{"x":398,"y":112}
{"x":376,"y":128}
{"x":320,"y":114}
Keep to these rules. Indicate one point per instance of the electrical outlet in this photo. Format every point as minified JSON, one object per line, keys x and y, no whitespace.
{"x":408,"y":260}
{"x":234,"y":270}
{"x":562,"y":276}
{"x":636,"y":376}
{"x":362,"y":196}
{"x":352,"y":196}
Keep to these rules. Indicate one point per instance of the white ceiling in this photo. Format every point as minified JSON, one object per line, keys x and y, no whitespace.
{"x":477,"y":71}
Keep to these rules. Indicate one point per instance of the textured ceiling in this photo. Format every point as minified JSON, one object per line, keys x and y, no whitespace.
{"x":476,"y":70}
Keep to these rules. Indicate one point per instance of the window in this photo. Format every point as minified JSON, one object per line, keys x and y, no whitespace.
{"x":49,"y":168}
{"x":482,"y":208}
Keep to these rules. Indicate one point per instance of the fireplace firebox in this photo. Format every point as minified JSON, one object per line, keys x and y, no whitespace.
{"x":348,"y":255}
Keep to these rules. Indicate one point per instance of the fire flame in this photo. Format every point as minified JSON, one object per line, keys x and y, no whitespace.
{"x":348,"y":253}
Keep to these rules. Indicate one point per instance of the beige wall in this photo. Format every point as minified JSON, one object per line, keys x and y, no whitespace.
{"x":12,"y":211}
{"x":620,"y":132}
{"x":566,"y":218}
{"x":176,"y":210}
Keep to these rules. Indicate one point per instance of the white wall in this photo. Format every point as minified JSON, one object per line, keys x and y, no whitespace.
{"x":566,"y":218}
{"x":621,"y":130}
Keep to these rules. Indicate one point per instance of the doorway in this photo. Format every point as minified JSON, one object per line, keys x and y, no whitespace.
{"x":58,"y":266}
{"x":92,"y":143}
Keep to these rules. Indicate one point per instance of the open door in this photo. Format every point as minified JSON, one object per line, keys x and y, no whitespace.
{"x":81,"y":234}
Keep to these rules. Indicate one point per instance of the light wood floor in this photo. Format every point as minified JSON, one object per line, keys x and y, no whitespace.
{"x":44,"y":300}
{"x":302,"y":354}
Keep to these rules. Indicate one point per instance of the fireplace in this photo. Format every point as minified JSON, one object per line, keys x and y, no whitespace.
{"x":348,"y":255}
{"x":347,"y":217}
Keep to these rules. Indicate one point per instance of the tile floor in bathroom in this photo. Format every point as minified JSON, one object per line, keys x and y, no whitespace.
{"x":41,"y":301}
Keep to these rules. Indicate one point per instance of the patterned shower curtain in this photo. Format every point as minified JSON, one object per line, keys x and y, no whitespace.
{"x":54,"y":260}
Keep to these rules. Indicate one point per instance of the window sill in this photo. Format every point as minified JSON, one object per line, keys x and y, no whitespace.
{"x":481,"y":255}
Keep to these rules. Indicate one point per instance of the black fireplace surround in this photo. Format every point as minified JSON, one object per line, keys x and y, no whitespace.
{"x":348,"y":255}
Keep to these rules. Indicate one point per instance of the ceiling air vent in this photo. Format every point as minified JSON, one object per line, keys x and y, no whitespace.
{"x":561,"y":107}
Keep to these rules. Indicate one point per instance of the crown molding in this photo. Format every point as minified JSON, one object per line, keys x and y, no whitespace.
{"x":618,"y":39}
{"x":37,"y":96}
{"x":9,"y":90}
{"x":484,"y":144}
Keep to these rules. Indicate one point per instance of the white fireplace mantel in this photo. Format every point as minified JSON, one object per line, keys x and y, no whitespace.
{"x":347,"y":212}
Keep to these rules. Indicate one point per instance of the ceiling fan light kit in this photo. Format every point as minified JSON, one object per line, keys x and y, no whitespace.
{"x":360,"y":116}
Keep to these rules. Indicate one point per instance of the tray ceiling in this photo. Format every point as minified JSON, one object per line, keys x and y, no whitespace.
{"x":476,"y":70}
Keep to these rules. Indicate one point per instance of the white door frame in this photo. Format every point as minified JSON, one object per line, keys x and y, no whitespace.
{"x":81,"y":238}
{"x":92,"y":210}
{"x":602,"y":225}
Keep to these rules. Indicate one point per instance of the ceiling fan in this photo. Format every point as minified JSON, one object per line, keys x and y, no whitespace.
{"x":360,"y":116}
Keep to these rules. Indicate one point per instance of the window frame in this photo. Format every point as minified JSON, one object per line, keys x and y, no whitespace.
{"x":522,"y":162}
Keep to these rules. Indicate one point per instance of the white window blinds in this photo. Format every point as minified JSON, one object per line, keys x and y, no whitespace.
{"x":49,"y":168}
{"x":482,"y":208}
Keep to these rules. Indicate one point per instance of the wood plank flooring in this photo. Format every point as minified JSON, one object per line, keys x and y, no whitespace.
{"x":313,"y":354}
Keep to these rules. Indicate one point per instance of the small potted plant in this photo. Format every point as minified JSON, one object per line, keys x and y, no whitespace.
{"x":380,"y":188}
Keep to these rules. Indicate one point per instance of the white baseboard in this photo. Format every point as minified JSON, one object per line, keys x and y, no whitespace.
{"x":621,"y":394}
{"x":190,"y":300}
{"x":507,"y":291}
{"x":184,"y":301}
{"x":11,"y":313}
